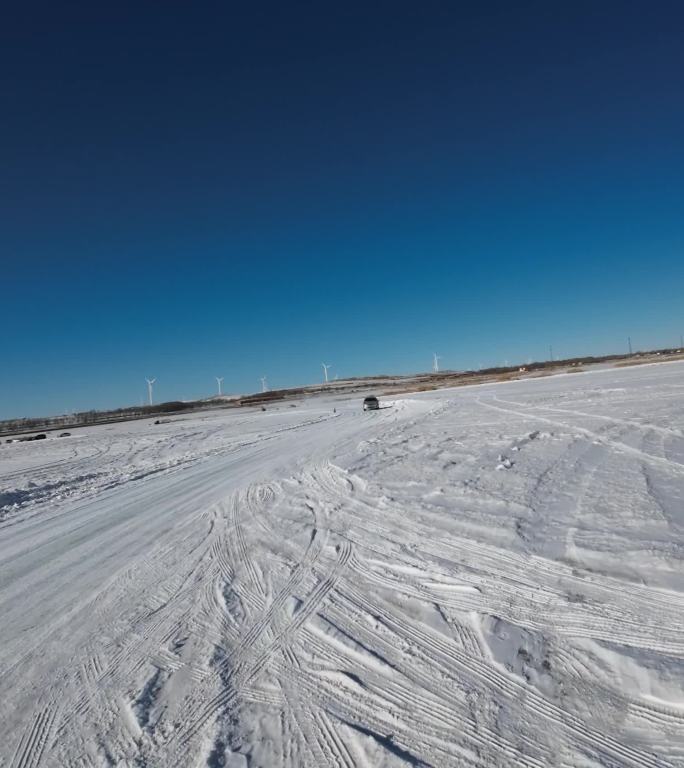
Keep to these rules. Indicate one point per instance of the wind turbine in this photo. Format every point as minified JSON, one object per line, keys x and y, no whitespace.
{"x":435,"y":363}
{"x":219,"y":381}
{"x":150,"y":382}
{"x":263,"y":384}
{"x":325,"y":371}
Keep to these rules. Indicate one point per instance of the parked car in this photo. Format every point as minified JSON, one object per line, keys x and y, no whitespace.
{"x":65,"y":434}
{"x":371,"y":403}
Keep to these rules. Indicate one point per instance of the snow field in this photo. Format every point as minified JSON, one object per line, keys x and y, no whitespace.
{"x":484,"y":576}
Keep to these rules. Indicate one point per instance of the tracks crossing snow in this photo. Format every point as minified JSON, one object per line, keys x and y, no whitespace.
{"x":385,"y":613}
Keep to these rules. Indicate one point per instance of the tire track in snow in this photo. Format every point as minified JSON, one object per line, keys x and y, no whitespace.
{"x":248,"y":669}
{"x":265,"y":622}
{"x":423,"y":745}
{"x":530,"y":571}
{"x":445,"y":654}
{"x":664,"y":431}
{"x":242,"y":555}
{"x":35,"y":738}
{"x":673,"y":466}
{"x":334,"y":746}
{"x":309,"y":731}
{"x":106,"y":674}
{"x":305,"y":740}
{"x":426,"y":704}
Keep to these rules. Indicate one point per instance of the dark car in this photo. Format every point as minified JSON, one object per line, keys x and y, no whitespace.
{"x":371,"y":403}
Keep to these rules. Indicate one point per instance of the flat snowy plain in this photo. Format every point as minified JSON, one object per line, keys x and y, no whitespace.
{"x":483,"y":576}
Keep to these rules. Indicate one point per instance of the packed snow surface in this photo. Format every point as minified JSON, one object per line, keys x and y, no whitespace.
{"x":483,"y":576}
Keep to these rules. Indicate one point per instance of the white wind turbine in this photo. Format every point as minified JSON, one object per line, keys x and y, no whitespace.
{"x":435,"y":362}
{"x":150,"y":382}
{"x":263,"y":384}
{"x":325,"y":371}
{"x":219,"y":381}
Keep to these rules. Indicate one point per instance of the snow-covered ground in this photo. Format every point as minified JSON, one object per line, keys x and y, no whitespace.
{"x":484,"y":576}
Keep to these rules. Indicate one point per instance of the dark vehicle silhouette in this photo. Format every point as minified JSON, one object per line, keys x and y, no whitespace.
{"x":371,"y":403}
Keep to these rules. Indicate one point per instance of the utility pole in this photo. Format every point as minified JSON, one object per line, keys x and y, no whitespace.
{"x":219,"y":381}
{"x":550,"y":353}
{"x":435,"y":363}
{"x":629,"y":344}
{"x":263,"y":384}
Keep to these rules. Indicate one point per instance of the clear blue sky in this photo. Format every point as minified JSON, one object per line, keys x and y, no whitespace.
{"x":200,"y":189}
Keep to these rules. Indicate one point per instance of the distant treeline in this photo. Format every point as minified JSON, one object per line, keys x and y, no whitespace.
{"x":576,"y":361}
{"x":84,"y":418}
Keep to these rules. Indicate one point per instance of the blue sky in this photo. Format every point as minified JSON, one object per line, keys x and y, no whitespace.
{"x":193,"y":190}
